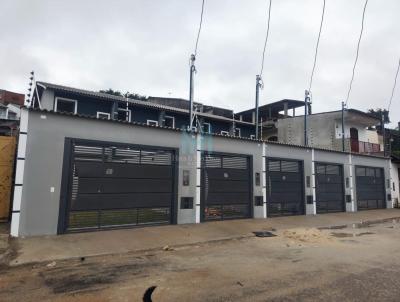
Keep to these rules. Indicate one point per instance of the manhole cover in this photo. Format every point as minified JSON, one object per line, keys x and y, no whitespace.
{"x":264,"y":234}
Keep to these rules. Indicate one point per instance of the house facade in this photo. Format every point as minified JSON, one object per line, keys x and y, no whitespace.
{"x":153,"y":111}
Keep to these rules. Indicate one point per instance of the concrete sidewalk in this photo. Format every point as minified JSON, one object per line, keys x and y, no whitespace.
{"x":49,"y":248}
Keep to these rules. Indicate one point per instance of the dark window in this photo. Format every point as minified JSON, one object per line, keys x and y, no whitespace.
{"x":308,"y":181}
{"x":273,"y":139}
{"x":186,"y":202}
{"x":206,"y":128}
{"x":347,"y":182}
{"x":237,"y":132}
{"x":186,"y":177}
{"x":258,"y":180}
{"x":66,"y":105}
{"x":169,"y":122}
{"x":258,"y":200}
{"x":310,"y":199}
{"x":124,"y":115}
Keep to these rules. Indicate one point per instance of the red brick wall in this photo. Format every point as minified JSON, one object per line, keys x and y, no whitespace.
{"x":7,"y":97}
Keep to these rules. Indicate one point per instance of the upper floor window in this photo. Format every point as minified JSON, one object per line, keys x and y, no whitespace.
{"x":237,"y":132}
{"x":152,"y":123}
{"x":206,"y":127}
{"x":169,"y":121}
{"x":124,"y":114}
{"x":66,"y":105}
{"x":103,"y":115}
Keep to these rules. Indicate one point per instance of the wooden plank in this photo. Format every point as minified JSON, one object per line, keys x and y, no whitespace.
{"x":7,"y":154}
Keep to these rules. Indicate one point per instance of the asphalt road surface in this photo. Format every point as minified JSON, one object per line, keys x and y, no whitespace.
{"x":357,"y":263}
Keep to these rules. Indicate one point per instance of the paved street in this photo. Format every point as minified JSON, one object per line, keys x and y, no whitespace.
{"x":358,"y":262}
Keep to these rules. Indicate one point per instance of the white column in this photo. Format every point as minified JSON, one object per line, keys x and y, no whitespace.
{"x":313,"y":182}
{"x":353,"y":201}
{"x":19,"y":174}
{"x":264,"y":180}
{"x":198,"y":177}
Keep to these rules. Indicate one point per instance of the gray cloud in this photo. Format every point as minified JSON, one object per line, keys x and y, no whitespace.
{"x":144,"y":47}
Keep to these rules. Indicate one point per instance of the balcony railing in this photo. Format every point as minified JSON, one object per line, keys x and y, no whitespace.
{"x":364,"y":147}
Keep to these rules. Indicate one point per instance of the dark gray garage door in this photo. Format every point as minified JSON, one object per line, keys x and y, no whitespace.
{"x":370,"y":188}
{"x":114,"y":185}
{"x":329,"y":188}
{"x":226,"y":186}
{"x":285,"y":187}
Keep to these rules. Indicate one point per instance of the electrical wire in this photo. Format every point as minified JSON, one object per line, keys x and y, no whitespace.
{"x":316,"y":47}
{"x":394,"y":86}
{"x":200,"y":25}
{"x":357,"y":53}
{"x":266,"y":38}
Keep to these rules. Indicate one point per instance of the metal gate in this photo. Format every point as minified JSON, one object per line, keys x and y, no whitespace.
{"x":115,"y":185}
{"x":370,"y":188}
{"x":226,"y":186}
{"x":285,"y":187}
{"x":329,"y":188}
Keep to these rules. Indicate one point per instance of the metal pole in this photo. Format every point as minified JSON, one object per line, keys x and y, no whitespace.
{"x":343,"y":138}
{"x":258,"y":85}
{"x":192,"y":71}
{"x":306,"y":99}
{"x":383,"y":133}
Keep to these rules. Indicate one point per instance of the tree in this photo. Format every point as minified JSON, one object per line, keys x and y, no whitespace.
{"x":127,"y":94}
{"x":378,"y":113}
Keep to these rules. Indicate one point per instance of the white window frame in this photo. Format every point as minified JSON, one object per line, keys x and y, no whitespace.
{"x":103,"y":113}
{"x":209,"y":127}
{"x":240,"y":132}
{"x":67,"y":100}
{"x":224,"y":132}
{"x":252,"y":136}
{"x":149,"y":122}
{"x":173,"y":119}
{"x":129,"y":114}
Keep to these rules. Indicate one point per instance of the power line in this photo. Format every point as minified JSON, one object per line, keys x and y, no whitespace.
{"x":358,"y":49}
{"x":394,"y":85}
{"x":316,"y":47}
{"x":201,"y":23}
{"x":266,"y":38}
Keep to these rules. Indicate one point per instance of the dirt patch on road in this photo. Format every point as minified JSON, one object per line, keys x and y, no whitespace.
{"x":308,"y":235}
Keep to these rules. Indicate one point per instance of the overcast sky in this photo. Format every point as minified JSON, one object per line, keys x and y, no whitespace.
{"x":144,"y":47}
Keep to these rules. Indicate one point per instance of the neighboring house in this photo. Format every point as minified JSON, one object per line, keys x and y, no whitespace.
{"x":325,"y":131}
{"x":153,"y":111}
{"x":269,"y":115}
{"x":10,"y":103}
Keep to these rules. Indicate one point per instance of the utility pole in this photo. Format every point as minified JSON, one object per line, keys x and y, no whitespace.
{"x":306,"y":107}
{"x":258,"y":86}
{"x":343,"y":138}
{"x":192,"y":72}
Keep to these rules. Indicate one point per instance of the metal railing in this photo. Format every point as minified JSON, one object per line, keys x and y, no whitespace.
{"x":364,"y":147}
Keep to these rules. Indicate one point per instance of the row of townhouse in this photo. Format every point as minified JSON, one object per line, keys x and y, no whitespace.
{"x":89,"y":161}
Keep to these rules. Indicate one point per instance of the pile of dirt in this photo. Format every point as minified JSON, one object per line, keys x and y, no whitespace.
{"x":307,"y":235}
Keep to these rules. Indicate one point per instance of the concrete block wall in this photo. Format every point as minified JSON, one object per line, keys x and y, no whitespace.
{"x":40,"y":164}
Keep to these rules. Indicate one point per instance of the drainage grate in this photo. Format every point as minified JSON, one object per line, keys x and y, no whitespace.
{"x":264,"y":234}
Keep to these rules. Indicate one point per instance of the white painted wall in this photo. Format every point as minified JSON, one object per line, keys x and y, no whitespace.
{"x":394,"y":176}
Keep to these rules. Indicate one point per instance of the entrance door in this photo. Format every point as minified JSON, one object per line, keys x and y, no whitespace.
{"x":329,"y":188}
{"x":226,"y":186}
{"x":285,"y":187}
{"x":115,"y":185}
{"x":370,"y":188}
